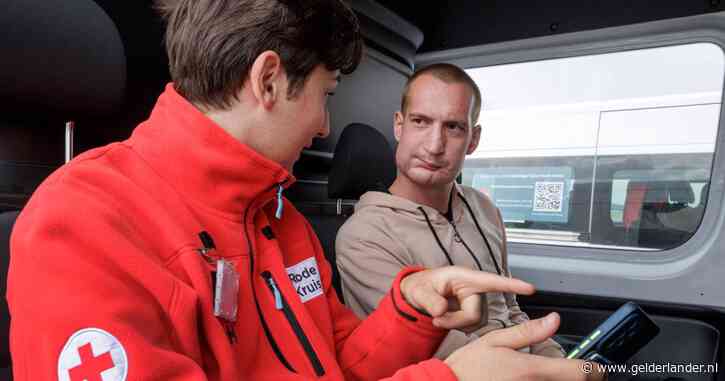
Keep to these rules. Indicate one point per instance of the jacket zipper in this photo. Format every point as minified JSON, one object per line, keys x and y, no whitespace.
{"x":267,"y":332}
{"x":280,"y":303}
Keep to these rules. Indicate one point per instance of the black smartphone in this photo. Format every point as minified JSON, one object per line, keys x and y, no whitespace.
{"x":619,"y":338}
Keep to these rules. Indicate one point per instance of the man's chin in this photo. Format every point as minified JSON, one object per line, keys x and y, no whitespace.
{"x":425,"y":178}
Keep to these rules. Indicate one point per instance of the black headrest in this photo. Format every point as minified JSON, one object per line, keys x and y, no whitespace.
{"x":656,"y":192}
{"x":680,"y":192}
{"x":363,"y":161}
{"x":60,"y":58}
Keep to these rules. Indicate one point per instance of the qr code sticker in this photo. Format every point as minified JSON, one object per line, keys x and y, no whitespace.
{"x":548,"y":196}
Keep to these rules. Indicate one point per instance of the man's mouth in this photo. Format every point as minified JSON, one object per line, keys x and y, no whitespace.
{"x":430,"y":166}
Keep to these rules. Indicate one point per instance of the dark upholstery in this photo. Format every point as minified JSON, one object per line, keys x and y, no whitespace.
{"x":61,"y":58}
{"x":326,"y":226}
{"x":7,"y":219}
{"x":363,"y":161}
{"x":680,"y":192}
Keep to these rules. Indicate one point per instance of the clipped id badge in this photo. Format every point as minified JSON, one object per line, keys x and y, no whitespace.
{"x":226,"y":291}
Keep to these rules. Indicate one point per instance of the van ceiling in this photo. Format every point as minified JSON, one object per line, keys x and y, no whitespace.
{"x":445,"y":25}
{"x":457,"y":24}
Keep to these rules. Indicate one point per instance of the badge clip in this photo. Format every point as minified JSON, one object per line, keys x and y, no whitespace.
{"x":225,"y":284}
{"x":226,"y":292}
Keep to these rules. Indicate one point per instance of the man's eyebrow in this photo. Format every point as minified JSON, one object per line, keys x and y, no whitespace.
{"x":419,"y":115}
{"x":463,"y":123}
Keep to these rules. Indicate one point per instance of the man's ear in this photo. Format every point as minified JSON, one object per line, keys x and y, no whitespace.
{"x":266,"y":78}
{"x":398,"y":125}
{"x":475,"y":138}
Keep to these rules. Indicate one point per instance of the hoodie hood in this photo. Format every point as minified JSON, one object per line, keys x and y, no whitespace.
{"x":405,"y":208}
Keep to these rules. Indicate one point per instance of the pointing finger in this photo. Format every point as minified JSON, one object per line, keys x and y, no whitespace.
{"x":478,"y":282}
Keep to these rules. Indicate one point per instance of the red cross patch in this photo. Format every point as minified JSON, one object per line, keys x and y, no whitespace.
{"x":92,"y":354}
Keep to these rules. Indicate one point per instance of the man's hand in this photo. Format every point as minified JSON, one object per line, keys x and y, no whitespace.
{"x":494,"y":357}
{"x":452,"y":294}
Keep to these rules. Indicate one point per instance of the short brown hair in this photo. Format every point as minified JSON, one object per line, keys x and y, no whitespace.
{"x":212,"y":44}
{"x":449,"y":74}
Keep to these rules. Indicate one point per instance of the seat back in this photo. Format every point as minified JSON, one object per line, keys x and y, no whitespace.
{"x":7,"y":220}
{"x":63,"y":60}
{"x":363,"y":161}
{"x":636,"y":192}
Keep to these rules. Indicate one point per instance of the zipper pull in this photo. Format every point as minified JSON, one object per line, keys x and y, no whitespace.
{"x":207,"y":246}
{"x":277,"y":295}
{"x":206,"y":240}
{"x":280,"y":203}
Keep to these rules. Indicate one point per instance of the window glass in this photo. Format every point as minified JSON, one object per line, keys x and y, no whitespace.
{"x":603,"y":150}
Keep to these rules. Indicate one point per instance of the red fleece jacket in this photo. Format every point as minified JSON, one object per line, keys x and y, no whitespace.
{"x":106,"y":280}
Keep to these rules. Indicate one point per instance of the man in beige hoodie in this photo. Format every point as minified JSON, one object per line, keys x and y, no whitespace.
{"x":425,"y":218}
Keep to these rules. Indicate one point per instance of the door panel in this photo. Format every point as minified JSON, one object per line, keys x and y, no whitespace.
{"x":687,"y":335}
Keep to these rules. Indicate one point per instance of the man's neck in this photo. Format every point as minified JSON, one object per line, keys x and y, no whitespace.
{"x":435,"y":197}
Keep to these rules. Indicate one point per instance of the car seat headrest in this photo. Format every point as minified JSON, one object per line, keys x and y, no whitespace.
{"x":61,"y":58}
{"x":680,"y":192}
{"x":363,"y":161}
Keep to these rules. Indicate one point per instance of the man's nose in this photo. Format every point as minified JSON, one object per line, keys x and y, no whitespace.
{"x":325,"y":130}
{"x":435,"y":141}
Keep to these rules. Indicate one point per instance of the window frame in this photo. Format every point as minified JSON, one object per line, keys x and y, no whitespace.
{"x":697,"y":29}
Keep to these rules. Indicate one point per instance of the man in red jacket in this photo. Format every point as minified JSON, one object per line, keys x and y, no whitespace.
{"x":174,"y":256}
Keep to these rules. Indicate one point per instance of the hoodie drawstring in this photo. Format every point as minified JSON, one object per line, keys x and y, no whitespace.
{"x":430,"y":226}
{"x":475,"y":221}
{"x":480,"y":231}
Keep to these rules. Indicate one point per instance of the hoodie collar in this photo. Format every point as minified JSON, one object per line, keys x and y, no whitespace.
{"x":202,"y":161}
{"x":406,"y":206}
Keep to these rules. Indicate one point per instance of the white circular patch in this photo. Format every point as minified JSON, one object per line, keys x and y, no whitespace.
{"x":92,"y":354}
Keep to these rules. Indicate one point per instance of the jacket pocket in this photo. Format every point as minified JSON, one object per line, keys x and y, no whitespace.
{"x":281,"y":305}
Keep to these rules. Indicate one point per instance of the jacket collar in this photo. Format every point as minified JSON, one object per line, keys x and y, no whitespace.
{"x":202,"y":161}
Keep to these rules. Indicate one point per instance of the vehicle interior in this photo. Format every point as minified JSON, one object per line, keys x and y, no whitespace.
{"x":644,"y":226}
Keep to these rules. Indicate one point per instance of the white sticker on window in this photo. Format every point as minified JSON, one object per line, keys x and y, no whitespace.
{"x":305,"y":277}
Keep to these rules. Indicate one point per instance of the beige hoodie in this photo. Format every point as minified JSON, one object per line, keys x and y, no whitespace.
{"x":387,"y":233}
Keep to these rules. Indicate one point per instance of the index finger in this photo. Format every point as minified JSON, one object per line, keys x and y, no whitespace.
{"x":567,"y":370}
{"x":479,"y":282}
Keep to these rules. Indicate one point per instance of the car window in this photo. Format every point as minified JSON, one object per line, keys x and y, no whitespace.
{"x":607,"y":150}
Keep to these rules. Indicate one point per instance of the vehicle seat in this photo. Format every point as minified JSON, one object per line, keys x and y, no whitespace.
{"x":62,"y":60}
{"x":7,"y":220}
{"x":633,"y":204}
{"x":632,"y":214}
{"x":363,"y":161}
{"x":656,"y":226}
{"x":680,"y":215}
